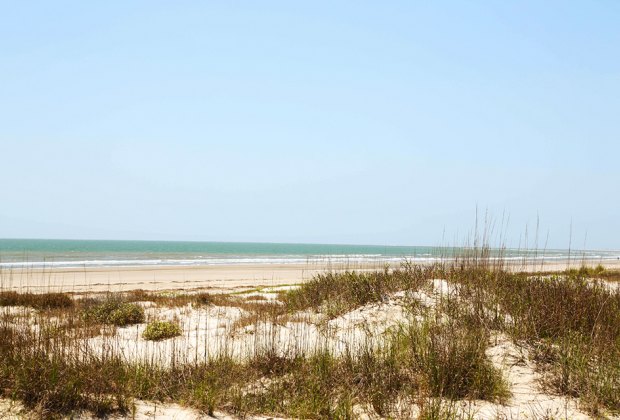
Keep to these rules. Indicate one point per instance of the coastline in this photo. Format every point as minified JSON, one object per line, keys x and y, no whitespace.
{"x":225,"y":278}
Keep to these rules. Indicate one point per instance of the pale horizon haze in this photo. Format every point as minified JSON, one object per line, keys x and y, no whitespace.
{"x":383,"y":123}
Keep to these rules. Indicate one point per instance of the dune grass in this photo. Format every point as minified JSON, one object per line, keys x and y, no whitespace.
{"x":337,"y":293}
{"x":571,"y":322}
{"x":36,"y":301}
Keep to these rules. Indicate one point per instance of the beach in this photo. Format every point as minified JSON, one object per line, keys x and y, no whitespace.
{"x":224,"y":277}
{"x":115,"y":279}
{"x":248,"y":326}
{"x":259,"y":330}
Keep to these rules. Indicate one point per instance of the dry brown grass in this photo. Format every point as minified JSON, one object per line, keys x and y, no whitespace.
{"x":570,"y":321}
{"x":36,"y":301}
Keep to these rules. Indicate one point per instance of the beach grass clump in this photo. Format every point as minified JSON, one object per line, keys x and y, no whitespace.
{"x":256,"y":298}
{"x":207,"y":385}
{"x":36,"y":301}
{"x":574,"y":366}
{"x":141,"y":295}
{"x":337,"y":293}
{"x":585,"y":271}
{"x":607,"y":274}
{"x":571,"y":320}
{"x":441,"y":409}
{"x":214,"y":299}
{"x":177,"y":299}
{"x":556,"y":307}
{"x":425,"y":360}
{"x":115,"y":312}
{"x":449,"y":360}
{"x":161,"y":330}
{"x":306,"y":387}
{"x":332,"y":294}
{"x":49,"y":383}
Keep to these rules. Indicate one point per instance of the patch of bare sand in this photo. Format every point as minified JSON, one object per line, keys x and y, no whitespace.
{"x":145,"y":410}
{"x":10,"y":409}
{"x":142,"y":410}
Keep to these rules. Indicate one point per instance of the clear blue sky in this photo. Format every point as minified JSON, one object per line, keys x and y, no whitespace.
{"x":346,"y":122}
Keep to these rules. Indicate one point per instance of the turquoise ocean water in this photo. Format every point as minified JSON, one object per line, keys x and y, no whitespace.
{"x":88,"y":253}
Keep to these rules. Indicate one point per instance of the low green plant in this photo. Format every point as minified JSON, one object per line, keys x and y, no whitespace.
{"x":160,"y":330}
{"x":115,"y":312}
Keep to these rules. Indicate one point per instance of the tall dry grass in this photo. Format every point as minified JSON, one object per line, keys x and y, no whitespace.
{"x":431,"y":360}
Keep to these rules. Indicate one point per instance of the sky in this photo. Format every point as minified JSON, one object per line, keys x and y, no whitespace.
{"x":326,"y":122}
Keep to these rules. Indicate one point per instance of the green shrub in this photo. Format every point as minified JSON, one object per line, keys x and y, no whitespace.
{"x":160,"y":330}
{"x":116,"y":313}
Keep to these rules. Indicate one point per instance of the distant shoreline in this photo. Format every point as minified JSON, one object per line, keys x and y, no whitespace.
{"x":65,"y":254}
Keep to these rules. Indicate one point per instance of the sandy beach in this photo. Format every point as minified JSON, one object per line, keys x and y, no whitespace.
{"x":223,"y":278}
{"x":115,"y":279}
{"x":232,"y":329}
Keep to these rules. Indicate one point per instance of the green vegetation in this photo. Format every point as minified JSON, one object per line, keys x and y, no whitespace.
{"x":432,"y":360}
{"x":451,"y":361}
{"x":337,"y":293}
{"x":115,"y":312}
{"x":160,"y":330}
{"x":572,"y":323}
{"x":585,"y":271}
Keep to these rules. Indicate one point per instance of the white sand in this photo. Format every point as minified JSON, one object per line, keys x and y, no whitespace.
{"x":215,"y":277}
{"x":211,"y":330}
{"x":223,"y":277}
{"x":11,"y":409}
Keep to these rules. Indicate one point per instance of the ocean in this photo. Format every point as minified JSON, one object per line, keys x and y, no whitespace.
{"x":41,"y":253}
